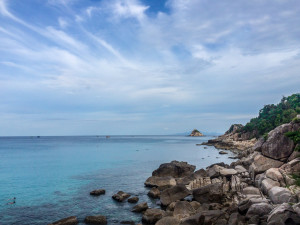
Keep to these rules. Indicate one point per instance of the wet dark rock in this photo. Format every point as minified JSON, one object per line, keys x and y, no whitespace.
{"x":223,"y":152}
{"x":120,"y":196}
{"x":154,"y":193}
{"x":168,"y":220}
{"x":72,"y":220}
{"x":151,"y":216}
{"x":174,"y":169}
{"x":209,"y":193}
{"x":140,"y":207}
{"x":97,"y":192}
{"x":98,"y":219}
{"x":173,"y":194}
{"x":183,"y":209}
{"x":133,"y":200}
{"x":127,"y":222}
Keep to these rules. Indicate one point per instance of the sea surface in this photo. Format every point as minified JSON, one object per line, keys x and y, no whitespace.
{"x":51,"y":177}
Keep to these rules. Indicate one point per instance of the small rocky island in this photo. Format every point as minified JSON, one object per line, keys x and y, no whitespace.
{"x":196,"y":133}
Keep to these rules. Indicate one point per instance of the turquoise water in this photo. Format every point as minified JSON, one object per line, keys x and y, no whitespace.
{"x":51,"y":177}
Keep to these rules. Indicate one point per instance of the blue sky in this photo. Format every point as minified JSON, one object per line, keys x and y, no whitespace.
{"x":71,"y":67}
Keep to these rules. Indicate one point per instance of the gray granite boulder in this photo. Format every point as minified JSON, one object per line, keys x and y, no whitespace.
{"x":183,"y":209}
{"x":174,"y":169}
{"x":261,"y":164}
{"x":282,"y":215}
{"x":155,"y":181}
{"x":279,"y":195}
{"x":278,"y":146}
{"x":151,"y":216}
{"x":168,"y":220}
{"x":259,"y":209}
{"x":173,"y":194}
{"x":212,"y":193}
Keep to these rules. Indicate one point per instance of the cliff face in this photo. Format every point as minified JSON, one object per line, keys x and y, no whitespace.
{"x":196,"y":133}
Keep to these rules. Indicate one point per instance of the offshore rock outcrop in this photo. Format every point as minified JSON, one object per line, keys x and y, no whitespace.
{"x":196,"y":133}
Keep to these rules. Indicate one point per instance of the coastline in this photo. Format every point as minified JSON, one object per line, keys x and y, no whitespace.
{"x":256,"y":189}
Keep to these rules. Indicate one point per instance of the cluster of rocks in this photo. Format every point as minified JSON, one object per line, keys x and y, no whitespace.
{"x":233,"y":140}
{"x":256,"y":189}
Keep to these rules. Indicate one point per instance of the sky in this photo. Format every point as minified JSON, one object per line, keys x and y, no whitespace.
{"x":107,"y":67}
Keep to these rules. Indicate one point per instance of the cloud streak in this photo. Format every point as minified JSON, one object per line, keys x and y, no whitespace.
{"x":83,"y":61}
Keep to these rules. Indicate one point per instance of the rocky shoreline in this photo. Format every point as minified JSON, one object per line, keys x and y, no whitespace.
{"x":262,"y":187}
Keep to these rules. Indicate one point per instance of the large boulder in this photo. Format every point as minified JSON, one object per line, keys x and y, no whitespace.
{"x":140,"y":207}
{"x":275,"y":175}
{"x":212,"y":193}
{"x":183,"y":209}
{"x":120,"y":196}
{"x":283,"y":214}
{"x":245,"y":204}
{"x":168,"y":220}
{"x":155,"y":181}
{"x":72,"y":220}
{"x":278,"y":146}
{"x":292,"y":167}
{"x":197,"y":219}
{"x":227,"y":172}
{"x":214,"y":171}
{"x":261,"y":164}
{"x":173,"y":194}
{"x":154,"y":193}
{"x":267,"y":184}
{"x":98,"y":219}
{"x":174,"y":169}
{"x":151,"y":216}
{"x":259,"y":209}
{"x":279,"y":195}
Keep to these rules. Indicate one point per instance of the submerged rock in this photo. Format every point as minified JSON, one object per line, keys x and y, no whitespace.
{"x":72,"y":220}
{"x":97,"y":192}
{"x":98,"y":219}
{"x":133,"y":200}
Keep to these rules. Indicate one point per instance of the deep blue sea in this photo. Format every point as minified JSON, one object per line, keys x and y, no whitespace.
{"x":51,"y":177}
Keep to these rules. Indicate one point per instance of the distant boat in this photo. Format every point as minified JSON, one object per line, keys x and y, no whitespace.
{"x":107,"y":136}
{"x":38,"y":136}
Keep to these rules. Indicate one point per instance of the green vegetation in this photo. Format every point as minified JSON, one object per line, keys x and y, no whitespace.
{"x":295,"y":136}
{"x":271,"y":116}
{"x":297,"y":178}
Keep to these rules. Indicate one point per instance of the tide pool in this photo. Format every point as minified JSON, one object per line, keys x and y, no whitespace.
{"x":51,"y":177}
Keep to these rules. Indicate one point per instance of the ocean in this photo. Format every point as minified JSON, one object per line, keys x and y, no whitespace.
{"x":51,"y":177}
